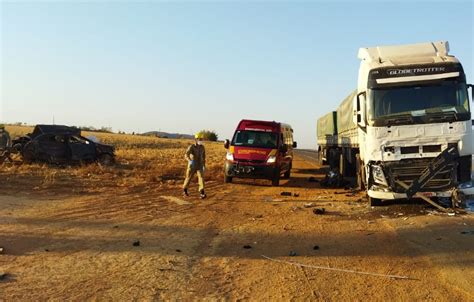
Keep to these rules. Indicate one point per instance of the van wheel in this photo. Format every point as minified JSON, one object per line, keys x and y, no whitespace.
{"x":276,"y":178}
{"x":227,"y":179}
{"x":375,"y":202}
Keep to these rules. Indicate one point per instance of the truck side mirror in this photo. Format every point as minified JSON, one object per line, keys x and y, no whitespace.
{"x":295,"y":145}
{"x":227,"y":144}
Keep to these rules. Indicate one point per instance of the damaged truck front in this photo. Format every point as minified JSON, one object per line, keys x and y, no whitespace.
{"x":410,"y":110}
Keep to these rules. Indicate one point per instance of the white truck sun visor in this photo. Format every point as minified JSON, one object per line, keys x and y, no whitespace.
{"x":418,"y":78}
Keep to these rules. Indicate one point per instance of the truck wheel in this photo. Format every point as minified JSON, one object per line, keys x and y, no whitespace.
{"x":288,"y":173}
{"x":342,"y":164}
{"x":276,"y":178}
{"x":374,"y":202}
{"x":360,"y":173}
{"x":227,"y":179}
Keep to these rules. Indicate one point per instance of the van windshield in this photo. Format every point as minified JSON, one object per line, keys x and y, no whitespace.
{"x":257,"y":139}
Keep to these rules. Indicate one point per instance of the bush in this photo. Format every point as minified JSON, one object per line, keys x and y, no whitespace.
{"x":209,"y":135}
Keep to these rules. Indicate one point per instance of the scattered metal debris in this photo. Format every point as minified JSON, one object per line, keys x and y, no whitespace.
{"x":247,"y":246}
{"x":136,"y":243}
{"x":319,"y":211}
{"x":338,"y":269}
{"x":286,"y":193}
{"x":293,"y":254}
{"x":175,"y":200}
{"x":333,"y":179}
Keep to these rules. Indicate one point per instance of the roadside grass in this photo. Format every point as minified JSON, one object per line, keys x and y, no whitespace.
{"x":141,"y":162}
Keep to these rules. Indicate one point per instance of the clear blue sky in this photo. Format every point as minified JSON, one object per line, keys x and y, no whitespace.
{"x":182,"y":67}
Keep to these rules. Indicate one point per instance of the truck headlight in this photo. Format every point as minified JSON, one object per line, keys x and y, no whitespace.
{"x":271,"y":159}
{"x":229,"y":156}
{"x":379,"y":176}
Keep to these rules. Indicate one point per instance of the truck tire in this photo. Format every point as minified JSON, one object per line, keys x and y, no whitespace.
{"x":342,"y":164}
{"x":276,"y":178}
{"x":288,"y":173}
{"x":227,"y":179}
{"x":375,"y":202}
{"x":360,"y":171}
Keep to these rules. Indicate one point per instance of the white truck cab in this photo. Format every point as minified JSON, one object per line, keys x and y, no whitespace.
{"x":412,"y":103}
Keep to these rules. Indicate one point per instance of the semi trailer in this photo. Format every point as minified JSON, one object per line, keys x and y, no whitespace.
{"x":406,"y":128}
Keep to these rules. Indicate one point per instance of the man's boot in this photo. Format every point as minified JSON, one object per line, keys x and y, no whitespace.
{"x":202,"y":194}
{"x":185,"y":192}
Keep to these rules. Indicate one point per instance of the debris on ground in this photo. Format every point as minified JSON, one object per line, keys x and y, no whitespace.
{"x":295,"y":208}
{"x":293,"y":254}
{"x":247,"y":246}
{"x":136,"y":243}
{"x":1,"y":250}
{"x":333,"y":179}
{"x":286,"y":193}
{"x":176,"y":200}
{"x":296,"y":194}
{"x":312,"y":179}
{"x":3,"y":276}
{"x":178,"y":250}
{"x":316,"y":247}
{"x":319,"y":211}
{"x":467,"y":232}
{"x":338,"y":269}
{"x":308,"y":205}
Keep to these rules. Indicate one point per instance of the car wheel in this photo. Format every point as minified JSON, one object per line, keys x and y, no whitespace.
{"x":16,"y":148}
{"x":106,"y":159}
{"x":28,"y":153}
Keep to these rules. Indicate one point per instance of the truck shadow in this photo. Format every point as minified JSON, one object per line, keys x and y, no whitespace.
{"x":243,"y":243}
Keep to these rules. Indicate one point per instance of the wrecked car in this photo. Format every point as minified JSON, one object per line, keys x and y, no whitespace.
{"x":62,"y":145}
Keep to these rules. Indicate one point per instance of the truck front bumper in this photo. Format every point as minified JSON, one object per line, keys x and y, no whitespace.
{"x":466,"y":188}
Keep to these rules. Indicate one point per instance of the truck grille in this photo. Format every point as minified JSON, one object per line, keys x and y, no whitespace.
{"x":409,"y":170}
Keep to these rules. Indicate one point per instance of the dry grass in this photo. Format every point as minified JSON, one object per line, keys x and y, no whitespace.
{"x":142,"y":162}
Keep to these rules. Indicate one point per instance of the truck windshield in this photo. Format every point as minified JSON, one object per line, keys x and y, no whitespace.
{"x":257,"y":139}
{"x":444,"y":101}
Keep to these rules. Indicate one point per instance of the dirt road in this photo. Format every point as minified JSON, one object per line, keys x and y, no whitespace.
{"x":150,"y":244}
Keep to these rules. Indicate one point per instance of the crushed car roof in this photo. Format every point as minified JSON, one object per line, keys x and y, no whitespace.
{"x":56,"y":129}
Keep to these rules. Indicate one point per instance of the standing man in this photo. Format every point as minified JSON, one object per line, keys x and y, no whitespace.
{"x":5,"y":140}
{"x":5,"y":143}
{"x":196,"y":157}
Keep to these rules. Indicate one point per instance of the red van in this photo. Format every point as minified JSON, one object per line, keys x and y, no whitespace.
{"x":260,"y":149}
